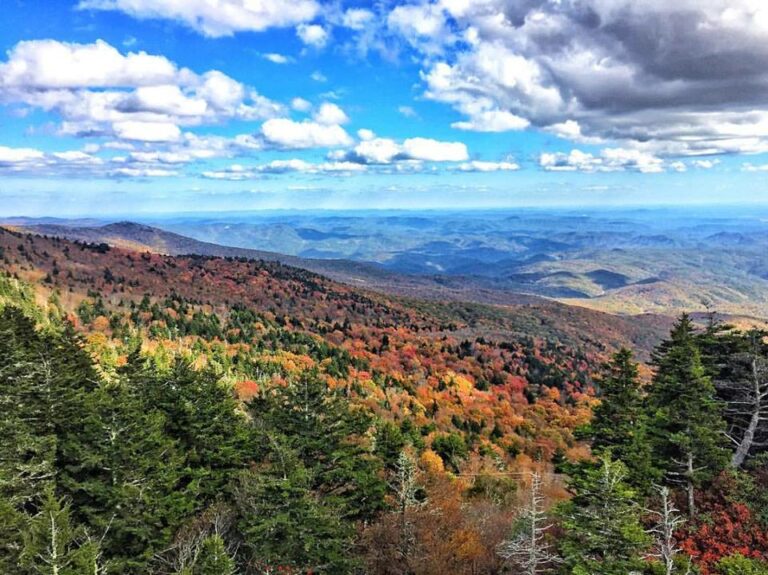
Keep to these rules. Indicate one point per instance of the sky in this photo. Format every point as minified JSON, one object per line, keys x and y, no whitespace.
{"x":164,"y":106}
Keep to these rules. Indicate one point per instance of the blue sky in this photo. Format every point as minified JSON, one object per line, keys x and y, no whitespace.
{"x":139,"y":106}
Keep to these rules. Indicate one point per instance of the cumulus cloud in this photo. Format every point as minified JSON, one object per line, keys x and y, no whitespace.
{"x":312,"y":35}
{"x":98,"y":91}
{"x":215,"y":19}
{"x":375,"y":150}
{"x":673,"y":78}
{"x":19,"y":156}
{"x":329,"y":114}
{"x":480,"y":166}
{"x":434,"y":150}
{"x":289,"y":134}
{"x":147,"y":131}
{"x":49,"y":65}
{"x":609,"y":160}
{"x":301,"y":105}
{"x":357,"y":18}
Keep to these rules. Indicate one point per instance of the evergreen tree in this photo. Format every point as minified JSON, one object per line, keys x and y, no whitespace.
{"x":618,"y":426}
{"x":214,"y":558}
{"x":55,"y":545}
{"x":685,"y":421}
{"x":284,"y":524}
{"x":327,"y":436}
{"x":201,"y":416}
{"x":601,"y":523}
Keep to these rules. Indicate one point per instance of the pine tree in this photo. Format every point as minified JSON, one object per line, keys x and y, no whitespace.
{"x":685,"y":422}
{"x":601,"y":523}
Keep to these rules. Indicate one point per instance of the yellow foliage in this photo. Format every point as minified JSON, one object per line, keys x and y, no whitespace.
{"x":431,"y":462}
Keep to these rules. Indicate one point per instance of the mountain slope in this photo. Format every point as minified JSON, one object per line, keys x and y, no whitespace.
{"x":452,"y":298}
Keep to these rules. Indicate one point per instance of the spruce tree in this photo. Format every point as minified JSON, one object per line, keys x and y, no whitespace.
{"x":618,"y":427}
{"x":214,"y":558}
{"x":686,"y":426}
{"x":55,"y":545}
{"x":327,"y":435}
{"x":601,"y":523}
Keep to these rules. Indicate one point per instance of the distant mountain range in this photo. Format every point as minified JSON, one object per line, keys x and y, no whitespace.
{"x":633,"y":263}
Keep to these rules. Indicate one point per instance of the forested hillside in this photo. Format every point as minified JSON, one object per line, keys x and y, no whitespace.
{"x":199,"y":415}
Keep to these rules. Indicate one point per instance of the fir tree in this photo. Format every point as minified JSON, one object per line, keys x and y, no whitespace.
{"x":214,"y":558}
{"x":618,"y":427}
{"x":685,"y":422}
{"x":601,"y":523}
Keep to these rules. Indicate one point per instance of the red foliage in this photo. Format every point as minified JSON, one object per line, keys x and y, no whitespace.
{"x":725,"y":527}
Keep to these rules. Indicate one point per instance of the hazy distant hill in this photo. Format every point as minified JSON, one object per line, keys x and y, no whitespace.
{"x":463,"y":304}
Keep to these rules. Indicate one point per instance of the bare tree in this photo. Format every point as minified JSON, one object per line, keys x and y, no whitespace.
{"x":405,"y":486}
{"x":528,"y":549}
{"x":746,"y":390}
{"x":667,"y":520}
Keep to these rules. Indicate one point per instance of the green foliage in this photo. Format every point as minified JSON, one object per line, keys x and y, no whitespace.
{"x":55,"y":545}
{"x":328,"y":437}
{"x":619,"y":423}
{"x":451,"y":448}
{"x":285,"y":525}
{"x":740,"y":565}
{"x":601,"y":523}
{"x":686,"y":427}
{"x":214,"y":558}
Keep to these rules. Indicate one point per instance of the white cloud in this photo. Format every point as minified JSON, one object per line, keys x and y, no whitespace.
{"x":434,"y":150}
{"x":238,"y":172}
{"x":147,"y":131}
{"x":407,"y":112}
{"x":234,"y":173}
{"x":276,"y":58}
{"x":312,"y":35}
{"x":609,"y":160}
{"x":301,"y":105}
{"x":365,"y":134}
{"x":296,"y":165}
{"x":318,"y":76}
{"x":377,"y":150}
{"x":216,"y":18}
{"x":97,"y":91}
{"x":422,"y":25}
{"x":329,"y":114}
{"x":374,"y":150}
{"x":480,"y":166}
{"x":19,"y":155}
{"x":77,"y":157}
{"x":492,"y":121}
{"x":49,"y":64}
{"x":705,"y":164}
{"x":357,"y":18}
{"x":142,"y":173}
{"x":289,"y":134}
{"x":749,"y":167}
